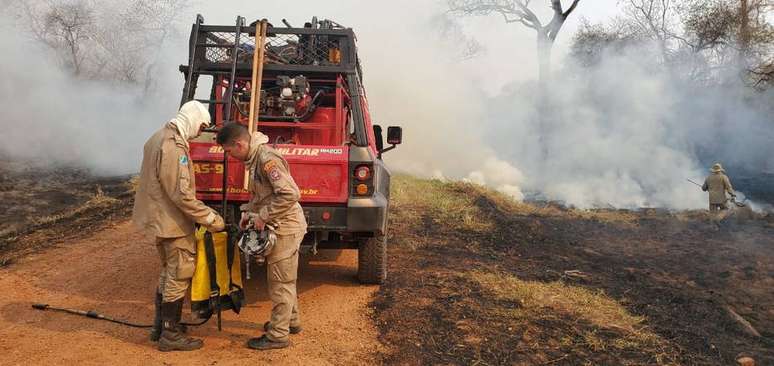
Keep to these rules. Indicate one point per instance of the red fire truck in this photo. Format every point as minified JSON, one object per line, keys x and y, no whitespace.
{"x":301,"y":86}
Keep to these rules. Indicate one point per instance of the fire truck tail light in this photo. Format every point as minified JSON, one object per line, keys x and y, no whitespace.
{"x":326,"y":216}
{"x":362,"y":189}
{"x":362,"y":173}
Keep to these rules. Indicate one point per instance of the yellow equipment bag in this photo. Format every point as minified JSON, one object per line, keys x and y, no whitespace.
{"x":215,"y":253}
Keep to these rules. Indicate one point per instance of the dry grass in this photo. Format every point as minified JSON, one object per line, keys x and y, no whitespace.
{"x":7,"y":232}
{"x":441,"y":202}
{"x":593,"y":306}
{"x":455,"y":203}
{"x":100,"y":200}
{"x":540,"y":300}
{"x":133,"y":183}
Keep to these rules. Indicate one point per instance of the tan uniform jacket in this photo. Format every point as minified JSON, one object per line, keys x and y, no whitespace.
{"x":718,"y":184}
{"x":165,"y":204}
{"x":275,"y":194}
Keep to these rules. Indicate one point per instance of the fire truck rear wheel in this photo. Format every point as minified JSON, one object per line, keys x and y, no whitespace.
{"x":372,"y":260}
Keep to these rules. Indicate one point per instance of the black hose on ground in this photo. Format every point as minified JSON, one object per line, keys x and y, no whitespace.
{"x":95,"y":315}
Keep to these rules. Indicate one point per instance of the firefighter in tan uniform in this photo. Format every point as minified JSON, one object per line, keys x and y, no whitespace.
{"x":165,"y":206}
{"x":274,"y":201}
{"x":718,"y":184}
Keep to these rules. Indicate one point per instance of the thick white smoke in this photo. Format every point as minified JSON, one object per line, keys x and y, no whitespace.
{"x":52,"y":117}
{"x":618,"y":134}
{"x":626,"y":134}
{"x":412,"y":77}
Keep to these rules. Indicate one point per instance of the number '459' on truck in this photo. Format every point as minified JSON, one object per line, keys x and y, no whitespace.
{"x":301,"y":86}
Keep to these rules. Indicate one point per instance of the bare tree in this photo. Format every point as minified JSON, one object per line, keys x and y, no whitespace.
{"x":752,"y":15}
{"x":762,"y":76}
{"x":699,"y":40}
{"x":518,"y":11}
{"x":709,"y":25}
{"x":652,"y":19}
{"x":592,"y":42}
{"x":67,"y":26}
{"x":110,"y":40}
{"x":744,"y":26}
{"x":164,"y":16}
{"x":451,"y":31}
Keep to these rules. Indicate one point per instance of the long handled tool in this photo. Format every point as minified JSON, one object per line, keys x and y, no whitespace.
{"x":738,"y":204}
{"x":732,"y":199}
{"x":95,"y":315}
{"x":699,"y":185}
{"x":259,"y":55}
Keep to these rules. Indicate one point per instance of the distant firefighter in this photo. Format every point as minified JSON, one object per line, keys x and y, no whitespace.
{"x":717,"y":184}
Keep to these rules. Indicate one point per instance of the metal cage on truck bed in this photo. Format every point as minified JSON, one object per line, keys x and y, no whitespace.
{"x":227,"y":52}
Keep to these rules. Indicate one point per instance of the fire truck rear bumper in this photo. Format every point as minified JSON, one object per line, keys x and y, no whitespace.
{"x":367,"y":214}
{"x":361,"y":215}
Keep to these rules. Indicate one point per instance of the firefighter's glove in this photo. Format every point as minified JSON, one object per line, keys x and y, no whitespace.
{"x":217,"y":225}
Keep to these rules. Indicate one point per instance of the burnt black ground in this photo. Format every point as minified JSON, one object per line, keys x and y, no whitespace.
{"x":679,"y":274}
{"x":43,"y":205}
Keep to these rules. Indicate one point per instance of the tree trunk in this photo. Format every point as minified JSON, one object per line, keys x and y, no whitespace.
{"x":544,"y":45}
{"x":76,"y":61}
{"x":744,"y":34}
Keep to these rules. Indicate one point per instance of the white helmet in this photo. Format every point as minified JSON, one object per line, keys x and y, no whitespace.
{"x":258,"y":244}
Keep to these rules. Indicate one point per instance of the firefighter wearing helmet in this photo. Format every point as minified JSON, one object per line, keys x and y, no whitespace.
{"x":717,"y":184}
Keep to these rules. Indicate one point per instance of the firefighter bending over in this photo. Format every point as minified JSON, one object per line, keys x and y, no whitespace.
{"x":166,"y":207}
{"x":274,"y":201}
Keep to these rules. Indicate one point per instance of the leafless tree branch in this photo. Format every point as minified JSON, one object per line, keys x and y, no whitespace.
{"x":518,"y":11}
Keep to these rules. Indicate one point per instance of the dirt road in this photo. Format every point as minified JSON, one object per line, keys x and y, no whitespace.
{"x":114,"y":271}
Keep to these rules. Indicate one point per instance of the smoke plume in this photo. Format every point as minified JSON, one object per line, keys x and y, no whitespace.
{"x":618,"y":134}
{"x":624,"y":134}
{"x":51,"y":116}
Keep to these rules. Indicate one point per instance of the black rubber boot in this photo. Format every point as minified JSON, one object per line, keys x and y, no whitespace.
{"x":263,"y":343}
{"x":180,"y":326}
{"x":293,"y":330}
{"x":172,"y":339}
{"x":156,"y":330}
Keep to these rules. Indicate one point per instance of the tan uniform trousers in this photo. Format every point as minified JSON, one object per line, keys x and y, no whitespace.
{"x":281,"y":273}
{"x":178,"y":262}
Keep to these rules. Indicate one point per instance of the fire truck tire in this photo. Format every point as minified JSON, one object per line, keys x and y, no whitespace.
{"x":372,"y":260}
